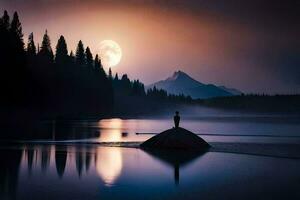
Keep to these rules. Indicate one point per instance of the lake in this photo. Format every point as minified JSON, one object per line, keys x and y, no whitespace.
{"x":247,"y":128}
{"x":37,"y":169}
{"x":90,"y":172}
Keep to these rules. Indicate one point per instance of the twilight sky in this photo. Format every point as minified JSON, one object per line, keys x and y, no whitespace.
{"x":251,"y":45}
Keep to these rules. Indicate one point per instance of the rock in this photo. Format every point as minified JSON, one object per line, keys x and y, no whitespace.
{"x":176,"y":138}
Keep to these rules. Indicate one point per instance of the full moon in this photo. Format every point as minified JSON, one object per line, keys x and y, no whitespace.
{"x":110,"y":53}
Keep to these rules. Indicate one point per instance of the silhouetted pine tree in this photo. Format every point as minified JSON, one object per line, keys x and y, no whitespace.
{"x":31,"y":49}
{"x":125,"y":85}
{"x":14,"y":83}
{"x":18,"y":56}
{"x":58,"y":91}
{"x":116,"y":84}
{"x":5,"y":60}
{"x":110,"y":77}
{"x":17,"y":35}
{"x":46,"y":54}
{"x":4,"y":22}
{"x":160,"y":94}
{"x":116,"y":77}
{"x":89,"y":58}
{"x":97,"y":64}
{"x":61,"y":56}
{"x":137,"y":88}
{"x":5,"y":46}
{"x":99,"y":69}
{"x":80,"y":55}
{"x":72,"y":58}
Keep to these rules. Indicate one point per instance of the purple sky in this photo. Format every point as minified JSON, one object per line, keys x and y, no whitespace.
{"x":251,"y":45}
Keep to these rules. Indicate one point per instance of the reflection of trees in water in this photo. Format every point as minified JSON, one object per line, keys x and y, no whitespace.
{"x":60,"y":160}
{"x":88,"y":158}
{"x":83,"y":159}
{"x":79,"y":162}
{"x":41,"y":154}
{"x":9,"y":171}
{"x":107,"y":161}
{"x":30,"y":157}
{"x":45,"y":157}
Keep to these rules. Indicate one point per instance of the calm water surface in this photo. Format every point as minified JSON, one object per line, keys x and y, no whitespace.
{"x":225,"y":129}
{"x":91,"y":172}
{"x":82,"y":171}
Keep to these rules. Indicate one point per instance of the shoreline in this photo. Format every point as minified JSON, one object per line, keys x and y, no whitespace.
{"x":275,"y":150}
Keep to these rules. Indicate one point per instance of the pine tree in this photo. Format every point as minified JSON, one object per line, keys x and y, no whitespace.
{"x":5,"y":58}
{"x":17,"y":42}
{"x":61,"y":55}
{"x":125,"y":84}
{"x":116,"y":82}
{"x":31,"y":49}
{"x":110,"y":74}
{"x":116,"y":77}
{"x":72,"y":57}
{"x":97,"y":63}
{"x":5,"y":46}
{"x":89,"y":58}
{"x":98,"y":66}
{"x":16,"y":31}
{"x":46,"y":53}
{"x":80,"y":55}
{"x":4,"y":22}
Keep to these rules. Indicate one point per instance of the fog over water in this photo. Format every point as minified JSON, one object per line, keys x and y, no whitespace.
{"x":214,"y":125}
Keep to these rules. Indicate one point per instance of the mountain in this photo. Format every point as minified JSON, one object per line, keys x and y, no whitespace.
{"x":181,"y":83}
{"x":231,"y":90}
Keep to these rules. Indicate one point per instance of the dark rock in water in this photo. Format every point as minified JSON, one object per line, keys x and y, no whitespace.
{"x":176,"y":138}
{"x":176,"y":147}
{"x":175,"y":157}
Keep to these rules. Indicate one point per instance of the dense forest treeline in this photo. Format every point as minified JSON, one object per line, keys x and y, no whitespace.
{"x":58,"y":82}
{"x":125,"y":87}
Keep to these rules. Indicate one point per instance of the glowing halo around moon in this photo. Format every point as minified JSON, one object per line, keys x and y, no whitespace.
{"x":110,"y":53}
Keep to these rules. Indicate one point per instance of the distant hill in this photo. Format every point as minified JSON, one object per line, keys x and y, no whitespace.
{"x":181,"y":83}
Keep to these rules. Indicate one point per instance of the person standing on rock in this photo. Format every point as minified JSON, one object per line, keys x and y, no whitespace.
{"x":176,"y":119}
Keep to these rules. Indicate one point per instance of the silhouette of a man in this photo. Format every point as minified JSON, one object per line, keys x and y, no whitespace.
{"x":176,"y":119}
